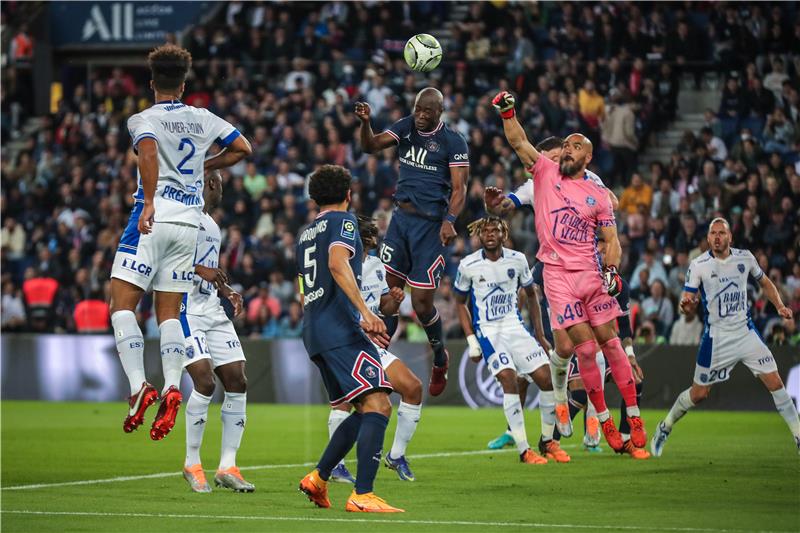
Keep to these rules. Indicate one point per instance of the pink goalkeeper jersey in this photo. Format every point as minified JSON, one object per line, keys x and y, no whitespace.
{"x":568,"y":213}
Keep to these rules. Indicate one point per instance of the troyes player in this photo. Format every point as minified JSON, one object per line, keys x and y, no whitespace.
{"x":329,"y":264}
{"x":431,"y":189}
{"x":491,"y":278}
{"x":569,"y":211}
{"x":384,"y":302}
{"x":730,"y":337}
{"x":211,"y":340}
{"x":157,"y":247}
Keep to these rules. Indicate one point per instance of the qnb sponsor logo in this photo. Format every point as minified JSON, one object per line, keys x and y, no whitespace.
{"x":461,"y":157}
{"x":182,"y":276}
{"x":480,"y":389}
{"x":177,"y":195}
{"x":310,"y":297}
{"x":137,"y":266}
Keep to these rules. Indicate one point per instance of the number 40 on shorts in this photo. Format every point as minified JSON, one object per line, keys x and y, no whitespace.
{"x":571,"y":311}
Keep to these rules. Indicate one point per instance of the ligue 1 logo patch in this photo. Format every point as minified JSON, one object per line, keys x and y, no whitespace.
{"x":432,"y":146}
{"x":590,"y":200}
{"x":510,"y":273}
{"x":740,"y":266}
{"x":349,"y":230}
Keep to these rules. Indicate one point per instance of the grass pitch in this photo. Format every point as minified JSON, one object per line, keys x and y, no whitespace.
{"x":720,"y":472}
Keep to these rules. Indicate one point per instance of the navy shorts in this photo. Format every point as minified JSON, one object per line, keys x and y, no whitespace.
{"x":412,"y":250}
{"x":573,"y":372}
{"x":350,"y":371}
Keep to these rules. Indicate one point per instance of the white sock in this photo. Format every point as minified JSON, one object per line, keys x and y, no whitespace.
{"x":130,"y":346}
{"x":590,"y":410}
{"x":407,"y":419}
{"x":196,"y":418}
{"x":547,"y":411}
{"x":633,"y":410}
{"x":516,"y":421}
{"x":787,"y":409}
{"x":335,"y":418}
{"x":234,"y":418}
{"x":602,"y":417}
{"x":173,"y":352}
{"x":679,"y":408}
{"x":558,"y":372}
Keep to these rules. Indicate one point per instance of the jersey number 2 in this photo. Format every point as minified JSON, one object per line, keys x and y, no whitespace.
{"x":311,"y":265}
{"x":186,"y":141}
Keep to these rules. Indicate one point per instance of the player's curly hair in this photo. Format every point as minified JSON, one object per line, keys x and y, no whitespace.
{"x":476,"y":226}
{"x":369,"y":232}
{"x":169,"y":66}
{"x":329,"y":184}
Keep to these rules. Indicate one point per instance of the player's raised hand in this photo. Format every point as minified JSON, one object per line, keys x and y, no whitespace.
{"x":493,"y":197}
{"x":688,"y":303}
{"x":375,"y":329}
{"x":363,"y":111}
{"x":146,"y":219}
{"x":397,"y":294}
{"x":786,"y":313}
{"x":504,"y":102}
{"x":217,"y":276}
{"x":447,"y":233}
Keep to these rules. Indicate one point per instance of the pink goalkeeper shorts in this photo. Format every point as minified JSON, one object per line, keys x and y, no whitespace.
{"x":578,"y":296}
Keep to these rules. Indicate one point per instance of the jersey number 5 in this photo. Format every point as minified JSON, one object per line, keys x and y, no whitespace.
{"x":310,"y":276}
{"x":186,"y":142}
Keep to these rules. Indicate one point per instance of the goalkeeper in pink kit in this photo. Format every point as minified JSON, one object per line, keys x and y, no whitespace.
{"x":569,"y":210}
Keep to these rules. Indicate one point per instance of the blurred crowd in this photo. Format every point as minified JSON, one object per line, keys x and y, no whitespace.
{"x":287,"y":76}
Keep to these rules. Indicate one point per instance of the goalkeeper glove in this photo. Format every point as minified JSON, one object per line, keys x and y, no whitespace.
{"x":613,"y":281}
{"x":504,"y":102}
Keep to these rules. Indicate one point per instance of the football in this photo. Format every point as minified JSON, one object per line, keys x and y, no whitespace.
{"x":423,"y":52}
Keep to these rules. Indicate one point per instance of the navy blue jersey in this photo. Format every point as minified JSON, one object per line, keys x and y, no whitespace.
{"x":425,"y":161}
{"x":330,"y":320}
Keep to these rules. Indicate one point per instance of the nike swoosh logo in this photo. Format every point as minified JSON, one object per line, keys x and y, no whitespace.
{"x":137,"y":404}
{"x":357,"y":504}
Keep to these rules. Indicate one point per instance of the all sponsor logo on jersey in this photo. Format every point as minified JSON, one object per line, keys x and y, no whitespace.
{"x":415,"y":157}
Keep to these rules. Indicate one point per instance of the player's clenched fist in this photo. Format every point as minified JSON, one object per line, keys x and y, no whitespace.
{"x":362,"y":111}
{"x":504,"y":102}
{"x":475,"y":352}
{"x":688,"y":303}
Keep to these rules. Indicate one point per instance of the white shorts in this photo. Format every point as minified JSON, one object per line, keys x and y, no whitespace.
{"x":511,"y":346}
{"x":163,"y":259}
{"x":387,"y":357}
{"x":721,"y":350}
{"x":211,"y":337}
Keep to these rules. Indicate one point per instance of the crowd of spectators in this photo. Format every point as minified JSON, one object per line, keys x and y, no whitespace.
{"x":287,"y":76}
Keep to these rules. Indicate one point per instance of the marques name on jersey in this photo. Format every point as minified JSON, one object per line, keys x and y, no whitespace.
{"x":311,"y":233}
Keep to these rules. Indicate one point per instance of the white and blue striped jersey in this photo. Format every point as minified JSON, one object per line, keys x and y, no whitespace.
{"x":524,"y":193}
{"x":373,"y":283}
{"x":184,"y":134}
{"x":722,"y":284}
{"x":204,"y":299}
{"x":492,"y":286}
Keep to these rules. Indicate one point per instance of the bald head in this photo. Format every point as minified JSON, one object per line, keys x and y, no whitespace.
{"x":576,"y":153}
{"x":428,"y":108}
{"x":581,"y":138}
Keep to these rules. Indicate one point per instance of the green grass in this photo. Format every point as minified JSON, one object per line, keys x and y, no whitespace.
{"x":720,"y":471}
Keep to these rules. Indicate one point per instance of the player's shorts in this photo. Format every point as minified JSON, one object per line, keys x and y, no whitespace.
{"x":211,"y":337}
{"x":574,"y":371}
{"x":721,"y":350}
{"x":511,"y":346}
{"x":163,"y":259}
{"x":387,"y":357}
{"x":350,"y":371}
{"x":412,"y":250}
{"x":578,"y":296}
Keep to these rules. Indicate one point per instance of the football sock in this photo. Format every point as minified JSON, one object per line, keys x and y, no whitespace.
{"x":590,"y":374}
{"x":336,"y":417}
{"x":433,"y":329}
{"x":391,"y":324}
{"x":339,"y":445}
{"x":196,"y":418}
{"x":547,"y":411}
{"x":407,"y":420}
{"x":785,"y":406}
{"x":173,"y":351}
{"x":370,"y":444}
{"x":130,"y":346}
{"x":624,"y":427}
{"x":601,"y":365}
{"x":558,"y":371}
{"x":516,"y":420}
{"x":679,"y":408}
{"x":622,"y":373}
{"x":234,"y":418}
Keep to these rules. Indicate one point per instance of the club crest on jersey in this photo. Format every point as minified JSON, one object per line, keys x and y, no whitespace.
{"x":510,"y":273}
{"x":740,"y":266}
{"x":432,"y":146}
{"x":370,"y":372}
{"x":349,"y":230}
{"x":379,"y":275}
{"x":590,"y":200}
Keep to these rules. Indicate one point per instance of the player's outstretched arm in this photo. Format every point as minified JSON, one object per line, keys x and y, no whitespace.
{"x":238,"y":150}
{"x":459,"y":177}
{"x":339,"y":265}
{"x":370,"y":142}
{"x":772,"y":294}
{"x":504,"y":103}
{"x":536,"y":317}
{"x":465,"y":319}
{"x":148,"y":170}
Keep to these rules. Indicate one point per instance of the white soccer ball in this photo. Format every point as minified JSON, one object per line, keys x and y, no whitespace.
{"x":423,"y":52}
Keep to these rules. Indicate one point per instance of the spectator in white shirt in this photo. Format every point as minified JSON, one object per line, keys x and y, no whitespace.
{"x":687,"y":330}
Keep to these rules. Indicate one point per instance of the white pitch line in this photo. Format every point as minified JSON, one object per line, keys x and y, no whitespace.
{"x":530,"y":525}
{"x":256,"y":467}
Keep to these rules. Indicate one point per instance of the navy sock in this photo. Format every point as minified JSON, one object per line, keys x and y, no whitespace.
{"x":432,"y":325}
{"x":624,"y":427}
{"x":340,"y":444}
{"x":576,"y":403}
{"x":391,"y":324}
{"x":370,"y":444}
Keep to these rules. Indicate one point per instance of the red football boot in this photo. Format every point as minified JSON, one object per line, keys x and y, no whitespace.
{"x":138,"y":404}
{"x":165,"y":419}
